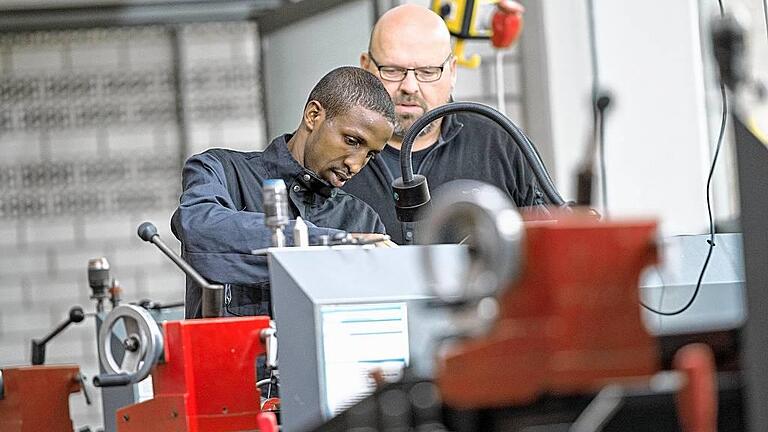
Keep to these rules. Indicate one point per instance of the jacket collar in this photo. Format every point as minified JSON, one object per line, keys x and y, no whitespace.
{"x":450,"y":127}
{"x":280,"y":163}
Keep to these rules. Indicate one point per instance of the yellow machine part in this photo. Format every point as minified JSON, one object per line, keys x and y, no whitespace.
{"x":454,"y":13}
{"x":462,"y":18}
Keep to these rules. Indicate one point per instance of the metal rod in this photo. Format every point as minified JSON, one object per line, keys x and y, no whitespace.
{"x":501,"y":102}
{"x":183,"y":265}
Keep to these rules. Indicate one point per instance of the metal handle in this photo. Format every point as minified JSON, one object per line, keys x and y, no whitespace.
{"x":110,"y":380}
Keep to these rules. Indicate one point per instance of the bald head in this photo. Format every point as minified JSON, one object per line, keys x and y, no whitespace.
{"x":415,"y":42}
{"x":407,"y":25}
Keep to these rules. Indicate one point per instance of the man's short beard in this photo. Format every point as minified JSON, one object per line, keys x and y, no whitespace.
{"x":401,"y":130}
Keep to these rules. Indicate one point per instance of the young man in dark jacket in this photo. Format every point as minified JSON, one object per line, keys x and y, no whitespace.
{"x":347,"y":120}
{"x":410,"y":52}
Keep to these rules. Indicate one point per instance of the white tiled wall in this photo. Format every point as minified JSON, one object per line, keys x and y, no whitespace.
{"x":90,"y":148}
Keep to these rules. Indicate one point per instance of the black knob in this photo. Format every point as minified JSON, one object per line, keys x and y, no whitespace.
{"x":131,"y":344}
{"x":146,"y":231}
{"x":76,"y":314}
{"x":445,"y":10}
{"x":603,"y":101}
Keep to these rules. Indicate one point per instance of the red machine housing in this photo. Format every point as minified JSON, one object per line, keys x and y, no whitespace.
{"x":570,"y":324}
{"x":36,"y":398}
{"x":207,"y":381}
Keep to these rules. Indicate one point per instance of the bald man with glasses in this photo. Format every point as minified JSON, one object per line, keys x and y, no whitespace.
{"x":410,"y":52}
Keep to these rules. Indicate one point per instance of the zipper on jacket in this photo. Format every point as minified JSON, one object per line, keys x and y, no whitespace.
{"x":307,"y":208}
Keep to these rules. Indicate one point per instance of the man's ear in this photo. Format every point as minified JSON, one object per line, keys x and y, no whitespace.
{"x":364,"y":60}
{"x":454,"y":71}
{"x":314,"y":115}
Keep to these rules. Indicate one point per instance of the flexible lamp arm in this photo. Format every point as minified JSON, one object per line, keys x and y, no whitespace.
{"x":522,"y":141}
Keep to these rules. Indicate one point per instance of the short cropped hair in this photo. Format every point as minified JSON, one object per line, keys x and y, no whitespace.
{"x":348,"y":87}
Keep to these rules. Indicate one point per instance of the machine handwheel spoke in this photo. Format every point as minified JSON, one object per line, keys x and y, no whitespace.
{"x":130,"y":362}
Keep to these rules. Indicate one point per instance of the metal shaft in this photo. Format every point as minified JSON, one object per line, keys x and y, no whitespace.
{"x":501,"y":102}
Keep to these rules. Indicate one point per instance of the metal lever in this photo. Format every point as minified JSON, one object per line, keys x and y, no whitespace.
{"x":76,"y":315}
{"x":213,"y":294}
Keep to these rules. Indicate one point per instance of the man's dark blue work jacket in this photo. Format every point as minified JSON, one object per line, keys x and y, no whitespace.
{"x":220,"y":219}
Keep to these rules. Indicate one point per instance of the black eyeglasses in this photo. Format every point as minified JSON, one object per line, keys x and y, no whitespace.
{"x":423,"y":74}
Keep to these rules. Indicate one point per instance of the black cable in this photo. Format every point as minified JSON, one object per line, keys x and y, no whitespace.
{"x":593,"y":52}
{"x":765,"y":17}
{"x":600,"y":113}
{"x":598,"y":120}
{"x":711,"y":239}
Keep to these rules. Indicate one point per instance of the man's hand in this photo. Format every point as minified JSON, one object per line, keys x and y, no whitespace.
{"x":378,"y":240}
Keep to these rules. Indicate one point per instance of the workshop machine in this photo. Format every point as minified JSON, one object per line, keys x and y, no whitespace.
{"x":47,"y":387}
{"x":28,"y":391}
{"x":203,"y":371}
{"x":106,"y":287}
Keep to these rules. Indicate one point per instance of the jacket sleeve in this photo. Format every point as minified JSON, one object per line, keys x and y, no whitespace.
{"x":522,"y":183}
{"x":216,"y":237}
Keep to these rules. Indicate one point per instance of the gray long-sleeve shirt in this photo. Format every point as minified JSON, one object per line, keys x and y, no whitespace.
{"x":220,"y":219}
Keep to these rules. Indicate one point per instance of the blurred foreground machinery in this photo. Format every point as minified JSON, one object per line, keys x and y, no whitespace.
{"x":550,"y":335}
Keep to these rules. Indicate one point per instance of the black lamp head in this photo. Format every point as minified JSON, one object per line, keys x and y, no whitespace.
{"x":412,"y":198}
